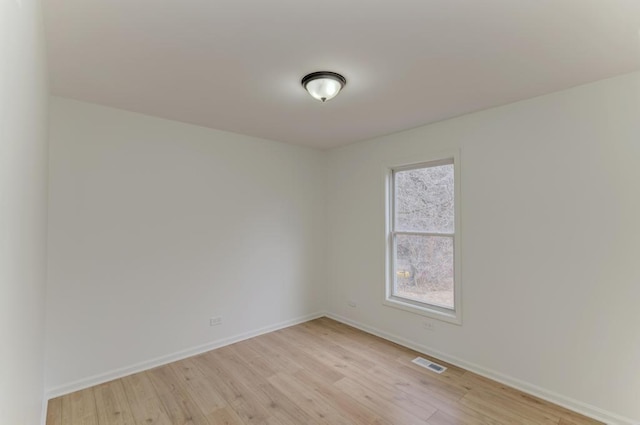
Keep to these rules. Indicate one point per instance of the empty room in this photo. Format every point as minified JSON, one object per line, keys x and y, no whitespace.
{"x":291,"y":212}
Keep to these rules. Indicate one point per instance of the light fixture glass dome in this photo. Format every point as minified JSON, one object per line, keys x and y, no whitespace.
{"x":323,"y":85}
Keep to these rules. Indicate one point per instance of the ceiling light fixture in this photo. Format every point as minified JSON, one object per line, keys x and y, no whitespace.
{"x":323,"y":85}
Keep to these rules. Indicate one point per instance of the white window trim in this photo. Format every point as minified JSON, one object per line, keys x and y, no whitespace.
{"x":447,"y":315}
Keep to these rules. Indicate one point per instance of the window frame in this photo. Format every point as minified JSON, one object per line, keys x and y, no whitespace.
{"x":424,"y":309}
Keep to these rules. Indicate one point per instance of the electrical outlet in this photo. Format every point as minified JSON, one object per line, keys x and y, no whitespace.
{"x":215,"y":321}
{"x":428,"y":325}
{"x":352,"y":304}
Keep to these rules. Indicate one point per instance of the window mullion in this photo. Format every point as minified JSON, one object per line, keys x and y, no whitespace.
{"x":419,"y":233}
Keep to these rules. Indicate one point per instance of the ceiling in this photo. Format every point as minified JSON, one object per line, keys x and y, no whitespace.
{"x":236,"y":65}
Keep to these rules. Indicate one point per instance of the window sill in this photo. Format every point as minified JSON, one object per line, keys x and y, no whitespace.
{"x":432,"y":312}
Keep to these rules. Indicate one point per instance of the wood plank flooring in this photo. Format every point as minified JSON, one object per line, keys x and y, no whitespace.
{"x":319,"y":372}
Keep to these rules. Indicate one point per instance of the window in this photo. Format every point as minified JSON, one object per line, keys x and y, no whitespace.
{"x":423,"y":239}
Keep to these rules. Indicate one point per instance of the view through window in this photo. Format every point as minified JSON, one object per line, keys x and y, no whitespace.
{"x":423,"y":234}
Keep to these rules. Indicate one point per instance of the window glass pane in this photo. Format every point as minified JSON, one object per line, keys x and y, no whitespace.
{"x":424,"y":269}
{"x":425,"y":199}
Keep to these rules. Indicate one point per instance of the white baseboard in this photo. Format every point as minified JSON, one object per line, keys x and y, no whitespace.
{"x":567,"y":402}
{"x":162,"y":360}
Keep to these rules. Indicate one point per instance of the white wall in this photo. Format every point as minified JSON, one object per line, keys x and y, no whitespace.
{"x":550,"y":241}
{"x":155,"y":226}
{"x":23,"y":198}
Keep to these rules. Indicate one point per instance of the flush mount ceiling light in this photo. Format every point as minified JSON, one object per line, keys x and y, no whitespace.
{"x":323,"y":85}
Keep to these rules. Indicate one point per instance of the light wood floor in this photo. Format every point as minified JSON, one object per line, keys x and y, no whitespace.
{"x":319,"y":372}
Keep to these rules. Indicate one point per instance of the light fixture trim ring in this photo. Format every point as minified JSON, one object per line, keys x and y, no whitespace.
{"x":324,"y":74}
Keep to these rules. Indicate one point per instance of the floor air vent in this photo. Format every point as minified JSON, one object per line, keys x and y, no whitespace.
{"x":429,"y":365}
